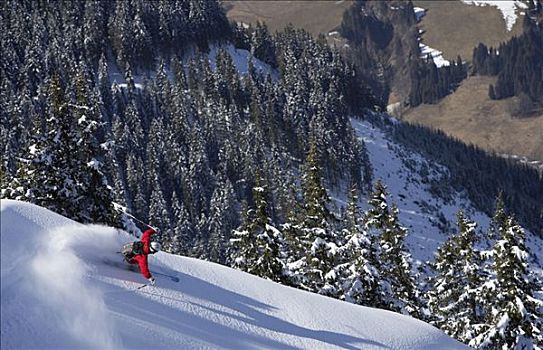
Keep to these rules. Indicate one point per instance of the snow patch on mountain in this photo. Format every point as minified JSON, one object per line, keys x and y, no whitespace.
{"x":426,"y":50}
{"x":508,"y":8}
{"x":61,"y":288}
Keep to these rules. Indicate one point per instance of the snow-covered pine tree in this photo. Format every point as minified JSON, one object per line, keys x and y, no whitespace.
{"x":317,"y":232}
{"x":158,"y":211}
{"x":60,"y":171}
{"x":221,"y":219}
{"x":270,"y":242}
{"x":181,"y":230}
{"x":358,"y":272}
{"x":397,"y":282}
{"x":96,"y":194}
{"x":514,"y":320}
{"x":456,"y":290}
{"x":257,"y":244}
{"x":499,"y":220}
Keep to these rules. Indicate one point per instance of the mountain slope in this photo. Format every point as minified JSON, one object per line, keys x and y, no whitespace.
{"x":456,"y":27}
{"x":409,"y":177}
{"x":60,"y":289}
{"x":470,"y":115}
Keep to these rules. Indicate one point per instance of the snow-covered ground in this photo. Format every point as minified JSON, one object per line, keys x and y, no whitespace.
{"x":240,"y":59}
{"x":508,"y":8}
{"x":61,"y":291}
{"x":429,"y":219}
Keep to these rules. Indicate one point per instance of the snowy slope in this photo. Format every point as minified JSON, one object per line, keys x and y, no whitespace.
{"x":430,"y":219}
{"x":240,"y":58}
{"x":60,"y":290}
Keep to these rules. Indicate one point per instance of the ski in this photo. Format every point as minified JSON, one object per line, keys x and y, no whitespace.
{"x":173,"y":278}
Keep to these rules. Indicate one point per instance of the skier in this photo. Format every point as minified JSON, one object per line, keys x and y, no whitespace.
{"x":137,"y":252}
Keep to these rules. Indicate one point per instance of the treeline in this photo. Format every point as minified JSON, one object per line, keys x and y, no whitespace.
{"x":518,"y":63}
{"x":179,"y":148}
{"x":480,"y":174}
{"x":484,"y":298}
{"x":429,"y":83}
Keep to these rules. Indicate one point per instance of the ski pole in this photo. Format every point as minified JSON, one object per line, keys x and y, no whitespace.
{"x":120,"y":208}
{"x":141,"y":222}
{"x":140,"y":287}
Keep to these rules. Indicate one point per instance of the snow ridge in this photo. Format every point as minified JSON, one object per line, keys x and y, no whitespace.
{"x":60,"y":291}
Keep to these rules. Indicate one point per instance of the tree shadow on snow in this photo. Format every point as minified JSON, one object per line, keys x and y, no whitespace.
{"x":253,"y":311}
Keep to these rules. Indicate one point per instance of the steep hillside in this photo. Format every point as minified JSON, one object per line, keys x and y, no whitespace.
{"x":411,"y":179}
{"x":453,"y":27}
{"x":470,"y":115}
{"x":61,"y":288}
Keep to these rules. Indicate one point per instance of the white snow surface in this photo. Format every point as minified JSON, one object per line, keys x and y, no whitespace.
{"x":429,"y":219}
{"x":240,"y":58}
{"x":59,"y":292}
{"x":508,"y":8}
{"x":419,"y":13}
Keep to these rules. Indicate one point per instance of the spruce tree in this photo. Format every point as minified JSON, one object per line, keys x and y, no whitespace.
{"x":96,"y":194}
{"x":257,"y":243}
{"x":221,"y":219}
{"x":181,"y":231}
{"x":60,"y":171}
{"x":398,"y":284}
{"x":316,"y":232}
{"x":269,"y":239}
{"x":514,"y":320}
{"x":360,"y":274}
{"x":455,"y":298}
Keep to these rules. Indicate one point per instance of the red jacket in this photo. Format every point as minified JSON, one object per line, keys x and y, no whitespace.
{"x":141,"y":259}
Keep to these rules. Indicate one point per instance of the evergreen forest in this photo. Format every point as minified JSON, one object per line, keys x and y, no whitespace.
{"x":237,"y":167}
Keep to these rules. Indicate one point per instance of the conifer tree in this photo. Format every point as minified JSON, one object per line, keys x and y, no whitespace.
{"x":60,"y":171}
{"x":158,"y":211}
{"x":221,"y":219}
{"x":514,"y":320}
{"x":257,"y":243}
{"x":456,"y":295}
{"x":269,"y":239}
{"x":398,"y":284}
{"x":181,"y":231}
{"x":360,"y":273}
{"x":316,"y":231}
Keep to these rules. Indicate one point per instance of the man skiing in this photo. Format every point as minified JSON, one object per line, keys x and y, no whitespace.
{"x":137,"y":252}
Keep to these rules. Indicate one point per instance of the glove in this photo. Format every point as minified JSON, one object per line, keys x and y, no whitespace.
{"x":152,"y":281}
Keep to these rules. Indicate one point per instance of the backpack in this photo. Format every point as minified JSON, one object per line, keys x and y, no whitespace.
{"x":132,"y":249}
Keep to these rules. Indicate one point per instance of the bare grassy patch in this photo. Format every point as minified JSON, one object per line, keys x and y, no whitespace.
{"x":470,"y":115}
{"x":314,"y":16}
{"x":456,"y":28}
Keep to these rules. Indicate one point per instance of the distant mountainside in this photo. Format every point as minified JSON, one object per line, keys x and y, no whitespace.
{"x":452,"y":27}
